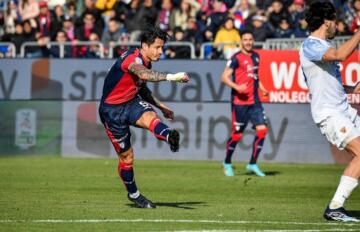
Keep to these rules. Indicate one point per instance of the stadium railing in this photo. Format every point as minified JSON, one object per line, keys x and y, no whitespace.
{"x":168,"y":44}
{"x":7,"y":49}
{"x":206,"y":47}
{"x":62,"y":46}
{"x":295,"y":43}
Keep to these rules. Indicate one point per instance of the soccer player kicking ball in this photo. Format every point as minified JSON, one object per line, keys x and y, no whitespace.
{"x":241,"y":75}
{"x":330,"y":109}
{"x":127,"y":101}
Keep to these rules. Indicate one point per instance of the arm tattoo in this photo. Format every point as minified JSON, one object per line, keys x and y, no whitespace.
{"x":146,"y":74}
{"x":147,"y":95}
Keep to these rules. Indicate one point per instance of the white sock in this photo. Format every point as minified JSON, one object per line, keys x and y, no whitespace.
{"x":346,"y":186}
{"x":134,"y":195}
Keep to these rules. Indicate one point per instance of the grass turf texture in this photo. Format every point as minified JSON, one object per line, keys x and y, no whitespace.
{"x":291,"y":197}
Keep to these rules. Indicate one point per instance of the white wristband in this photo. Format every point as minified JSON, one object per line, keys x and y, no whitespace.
{"x":175,"y":77}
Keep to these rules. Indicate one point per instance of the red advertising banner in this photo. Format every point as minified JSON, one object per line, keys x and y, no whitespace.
{"x":281,"y":74}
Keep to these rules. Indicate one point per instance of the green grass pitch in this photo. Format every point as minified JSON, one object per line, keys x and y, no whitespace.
{"x":68,"y":194}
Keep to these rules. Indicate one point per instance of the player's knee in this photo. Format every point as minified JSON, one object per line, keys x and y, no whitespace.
{"x":236,"y":137}
{"x":261,"y":133}
{"x":126,"y":160}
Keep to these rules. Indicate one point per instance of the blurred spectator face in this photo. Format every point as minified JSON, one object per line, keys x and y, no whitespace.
{"x":166,"y":4}
{"x":247,"y":42}
{"x":93,"y":37}
{"x":229,"y":24}
{"x":284,"y":24}
{"x":303,"y":23}
{"x":18,"y":29}
{"x":277,"y":6}
{"x":357,"y":5}
{"x":43,"y":8}
{"x":257,"y":23}
{"x":184,"y":6}
{"x":89,"y":4}
{"x":67,"y":24}
{"x":89,"y":20}
{"x":61,"y":37}
{"x":191,"y":23}
{"x":244,"y":4}
{"x":340,"y":26}
{"x":134,"y":4}
{"x":58,"y":10}
{"x":148,"y":3}
{"x":179,"y":35}
{"x":27,"y":27}
{"x":71,"y":9}
{"x":113,"y":26}
{"x":217,"y":5}
{"x":298,"y":5}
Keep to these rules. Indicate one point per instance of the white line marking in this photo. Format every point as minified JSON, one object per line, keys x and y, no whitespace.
{"x":177,"y":221}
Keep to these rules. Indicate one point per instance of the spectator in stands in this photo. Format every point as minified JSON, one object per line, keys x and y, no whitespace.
{"x":296,"y":10}
{"x":178,"y":52}
{"x":56,"y":21}
{"x":53,"y":3}
{"x":30,"y":35}
{"x":68,"y":27}
{"x":241,"y":11}
{"x":260,"y":30}
{"x":83,"y":32}
{"x":355,"y":22}
{"x":139,"y":17}
{"x":192,"y":34}
{"x":29,"y":9}
{"x":44,"y":19}
{"x":11,"y":17}
{"x":284,"y":30}
{"x":301,"y":29}
{"x":227,"y":34}
{"x":71,"y":11}
{"x":112,"y":35}
{"x":164,"y":15}
{"x":105,"y":6}
{"x":342,"y":29}
{"x":54,"y":51}
{"x":18,"y":37}
{"x":92,"y":51}
{"x":276,"y":13}
{"x":99,"y":23}
{"x":179,"y":16}
{"x":217,"y":18}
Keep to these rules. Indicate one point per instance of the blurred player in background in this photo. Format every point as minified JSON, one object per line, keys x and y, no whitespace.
{"x":330,"y":109}
{"x":241,"y":75}
{"x":127,"y":101}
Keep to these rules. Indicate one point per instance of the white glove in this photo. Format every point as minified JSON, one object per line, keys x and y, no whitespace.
{"x":178,"y":77}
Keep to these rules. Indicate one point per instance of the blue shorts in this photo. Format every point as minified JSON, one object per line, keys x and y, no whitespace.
{"x":118,"y":118}
{"x":243,"y":114}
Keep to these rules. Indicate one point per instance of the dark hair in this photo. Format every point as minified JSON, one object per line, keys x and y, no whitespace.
{"x":246,"y":31}
{"x":149,"y":35}
{"x":318,"y":12}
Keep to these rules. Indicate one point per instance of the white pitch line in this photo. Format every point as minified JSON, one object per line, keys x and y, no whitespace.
{"x":177,"y":221}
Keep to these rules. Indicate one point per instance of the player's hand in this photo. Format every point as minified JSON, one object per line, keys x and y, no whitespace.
{"x":182,"y":77}
{"x":168,"y":114}
{"x":357,"y":88}
{"x":265,"y":93}
{"x":241,"y":88}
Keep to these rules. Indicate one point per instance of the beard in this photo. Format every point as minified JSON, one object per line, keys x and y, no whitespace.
{"x":330,"y":33}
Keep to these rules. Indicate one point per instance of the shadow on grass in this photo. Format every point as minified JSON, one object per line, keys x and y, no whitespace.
{"x":179,"y":205}
{"x":268,"y":173}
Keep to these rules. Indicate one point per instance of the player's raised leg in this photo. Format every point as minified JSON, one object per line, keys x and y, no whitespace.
{"x":161,"y":131}
{"x":261,"y":131}
{"x":348,"y":182}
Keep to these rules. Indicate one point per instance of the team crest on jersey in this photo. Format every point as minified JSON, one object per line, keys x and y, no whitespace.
{"x":138,"y":60}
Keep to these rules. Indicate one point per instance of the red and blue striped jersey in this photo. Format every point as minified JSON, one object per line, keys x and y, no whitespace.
{"x":245,"y":71}
{"x":120,"y":85}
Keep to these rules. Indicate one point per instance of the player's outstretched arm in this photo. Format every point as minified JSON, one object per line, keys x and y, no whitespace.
{"x":148,"y":96}
{"x":344,"y":51}
{"x":154,"y":76}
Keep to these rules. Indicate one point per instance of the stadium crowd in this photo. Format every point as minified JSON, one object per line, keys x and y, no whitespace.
{"x":196,"y":21}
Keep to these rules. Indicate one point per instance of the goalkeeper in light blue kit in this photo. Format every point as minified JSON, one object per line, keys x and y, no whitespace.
{"x":330,"y":109}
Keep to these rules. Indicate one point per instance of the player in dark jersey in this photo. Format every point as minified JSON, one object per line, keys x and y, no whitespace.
{"x":127,"y":101}
{"x":241,"y":75}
